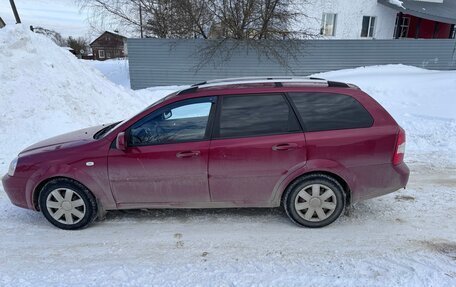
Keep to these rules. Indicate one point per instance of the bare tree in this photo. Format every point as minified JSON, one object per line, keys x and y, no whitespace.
{"x":54,"y":35}
{"x":260,"y":25}
{"x":112,"y":14}
{"x":229,"y":19}
{"x":228,"y":24}
{"x":78,"y":44}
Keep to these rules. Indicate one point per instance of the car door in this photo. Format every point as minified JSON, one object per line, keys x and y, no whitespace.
{"x":257,"y":140}
{"x":166,"y":157}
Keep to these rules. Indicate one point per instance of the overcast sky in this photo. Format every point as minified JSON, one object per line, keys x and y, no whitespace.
{"x":63,"y":16}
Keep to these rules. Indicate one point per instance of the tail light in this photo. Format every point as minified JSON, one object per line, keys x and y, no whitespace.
{"x":399,"y":151}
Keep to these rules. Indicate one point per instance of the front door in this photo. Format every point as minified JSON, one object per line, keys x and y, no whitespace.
{"x":167,"y":156}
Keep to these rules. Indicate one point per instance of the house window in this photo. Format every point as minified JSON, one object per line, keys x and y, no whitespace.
{"x":368,"y":26}
{"x":328,"y":24}
{"x":101,"y":54}
{"x":403,"y":26}
{"x":108,"y":54}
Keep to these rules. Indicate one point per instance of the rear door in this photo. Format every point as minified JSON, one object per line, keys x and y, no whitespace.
{"x":257,"y":140}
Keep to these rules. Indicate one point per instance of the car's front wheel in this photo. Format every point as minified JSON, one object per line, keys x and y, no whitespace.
{"x":314,"y":200}
{"x":67,"y":204}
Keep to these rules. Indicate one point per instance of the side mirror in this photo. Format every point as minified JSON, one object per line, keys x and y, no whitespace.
{"x":121,"y":142}
{"x":167,"y":114}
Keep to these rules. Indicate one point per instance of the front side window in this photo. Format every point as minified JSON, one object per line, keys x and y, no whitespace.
{"x":182,"y":122}
{"x":101,"y":54}
{"x":368,"y":27}
{"x":255,"y":115}
{"x":328,"y":24}
{"x":327,"y":111}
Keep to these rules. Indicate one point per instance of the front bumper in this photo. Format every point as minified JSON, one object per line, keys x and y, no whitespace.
{"x":15,"y":189}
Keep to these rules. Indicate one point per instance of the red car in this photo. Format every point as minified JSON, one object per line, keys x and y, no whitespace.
{"x":310,"y":145}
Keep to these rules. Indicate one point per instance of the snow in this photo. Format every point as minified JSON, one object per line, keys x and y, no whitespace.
{"x":397,"y":3}
{"x":407,"y":238}
{"x":47,"y":91}
{"x":116,"y":70}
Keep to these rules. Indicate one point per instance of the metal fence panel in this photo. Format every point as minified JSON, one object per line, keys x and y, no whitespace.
{"x":157,"y":62}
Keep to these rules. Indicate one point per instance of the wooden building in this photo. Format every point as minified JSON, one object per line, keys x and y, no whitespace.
{"x":109,"y":46}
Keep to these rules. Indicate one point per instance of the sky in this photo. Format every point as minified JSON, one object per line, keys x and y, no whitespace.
{"x":63,"y":16}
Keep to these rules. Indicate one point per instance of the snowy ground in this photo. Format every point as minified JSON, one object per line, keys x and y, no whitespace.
{"x":407,"y":238}
{"x":115,"y":70}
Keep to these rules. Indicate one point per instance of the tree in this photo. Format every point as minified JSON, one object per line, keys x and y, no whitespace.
{"x":55,"y":36}
{"x":78,"y":44}
{"x":229,"y":24}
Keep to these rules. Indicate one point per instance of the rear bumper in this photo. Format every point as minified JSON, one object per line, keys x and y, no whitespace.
{"x":380,"y":180}
{"x":15,"y":189}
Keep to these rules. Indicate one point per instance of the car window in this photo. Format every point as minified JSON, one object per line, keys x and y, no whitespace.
{"x":254,"y":115}
{"x":328,"y":111}
{"x":186,"y":121}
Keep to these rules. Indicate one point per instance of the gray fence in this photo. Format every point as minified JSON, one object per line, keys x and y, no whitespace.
{"x":156,"y":62}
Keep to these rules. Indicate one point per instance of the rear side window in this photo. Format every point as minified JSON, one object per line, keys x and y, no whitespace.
{"x":255,"y":115}
{"x":327,"y":111}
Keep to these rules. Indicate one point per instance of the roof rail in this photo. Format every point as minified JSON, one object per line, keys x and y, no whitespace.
{"x":277,"y":80}
{"x":259,"y":79}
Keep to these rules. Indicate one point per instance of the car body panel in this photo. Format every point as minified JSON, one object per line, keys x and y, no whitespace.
{"x":245,"y":170}
{"x":155,"y":174}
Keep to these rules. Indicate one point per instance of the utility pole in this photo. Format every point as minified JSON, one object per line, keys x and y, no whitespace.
{"x":16,"y":15}
{"x":140,"y":20}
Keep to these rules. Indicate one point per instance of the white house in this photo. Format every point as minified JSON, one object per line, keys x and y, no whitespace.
{"x":380,"y":19}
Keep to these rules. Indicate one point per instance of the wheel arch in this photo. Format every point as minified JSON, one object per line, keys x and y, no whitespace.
{"x":98,"y":188}
{"x":40,"y":185}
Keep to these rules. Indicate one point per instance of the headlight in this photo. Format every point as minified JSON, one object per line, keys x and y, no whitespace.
{"x":12,"y":167}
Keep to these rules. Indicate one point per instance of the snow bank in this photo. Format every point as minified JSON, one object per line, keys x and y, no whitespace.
{"x":116,"y":70}
{"x":45,"y":91}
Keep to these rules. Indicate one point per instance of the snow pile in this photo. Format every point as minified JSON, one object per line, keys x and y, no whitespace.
{"x":116,"y":70}
{"x":46,"y":91}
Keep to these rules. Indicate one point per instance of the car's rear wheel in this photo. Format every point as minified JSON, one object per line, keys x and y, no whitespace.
{"x":314,"y":200}
{"x":67,"y":204}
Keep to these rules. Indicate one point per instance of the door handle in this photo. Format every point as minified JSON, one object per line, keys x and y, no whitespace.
{"x":285,"y":146}
{"x":190,"y":153}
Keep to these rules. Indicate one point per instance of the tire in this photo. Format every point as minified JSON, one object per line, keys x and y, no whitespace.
{"x":314,"y":200}
{"x":67,"y":204}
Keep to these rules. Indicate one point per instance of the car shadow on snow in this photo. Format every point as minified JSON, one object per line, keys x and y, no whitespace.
{"x":198,"y":215}
{"x":361,"y":212}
